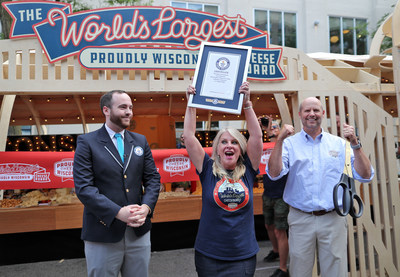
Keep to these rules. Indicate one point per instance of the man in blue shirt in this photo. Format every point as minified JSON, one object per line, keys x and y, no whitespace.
{"x":314,"y":161}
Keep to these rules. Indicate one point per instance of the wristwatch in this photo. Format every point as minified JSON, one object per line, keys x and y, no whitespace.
{"x":357,"y":146}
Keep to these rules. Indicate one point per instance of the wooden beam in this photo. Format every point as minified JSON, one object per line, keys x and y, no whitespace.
{"x":36,"y":117}
{"x":170,"y":105}
{"x":395,"y":52}
{"x":208,"y":127}
{"x":82,"y":114}
{"x":5,"y":114}
{"x":283,"y":108}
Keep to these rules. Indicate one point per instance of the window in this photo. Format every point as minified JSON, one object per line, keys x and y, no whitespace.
{"x":348,"y":35}
{"x":281,"y":26}
{"x":197,"y":7}
{"x":26,"y":130}
{"x":200,"y":125}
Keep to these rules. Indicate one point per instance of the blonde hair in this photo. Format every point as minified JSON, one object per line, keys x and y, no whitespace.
{"x":218,"y":169}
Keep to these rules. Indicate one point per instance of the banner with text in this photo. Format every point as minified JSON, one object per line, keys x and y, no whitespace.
{"x":37,"y":170}
{"x":148,"y":38}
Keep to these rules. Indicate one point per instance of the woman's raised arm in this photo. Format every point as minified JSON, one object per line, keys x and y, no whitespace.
{"x":193,"y":146}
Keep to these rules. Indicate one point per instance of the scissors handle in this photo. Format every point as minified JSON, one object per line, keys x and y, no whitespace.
{"x":348,"y":200}
{"x":345,"y":200}
{"x":360,"y":206}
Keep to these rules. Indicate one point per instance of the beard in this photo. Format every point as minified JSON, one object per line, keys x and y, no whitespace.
{"x":120,"y":122}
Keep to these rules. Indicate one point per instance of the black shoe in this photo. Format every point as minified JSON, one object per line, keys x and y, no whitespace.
{"x":280,"y":273}
{"x":272,"y":256}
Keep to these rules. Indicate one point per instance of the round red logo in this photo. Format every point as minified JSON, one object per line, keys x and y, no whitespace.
{"x":230,"y":195}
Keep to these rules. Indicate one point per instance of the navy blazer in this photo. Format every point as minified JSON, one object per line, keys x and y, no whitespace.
{"x":104,"y":184}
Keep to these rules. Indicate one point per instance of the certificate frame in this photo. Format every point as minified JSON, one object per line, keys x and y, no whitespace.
{"x":220,"y":71}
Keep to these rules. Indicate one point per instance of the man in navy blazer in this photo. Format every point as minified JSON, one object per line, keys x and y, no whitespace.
{"x":119,"y":192}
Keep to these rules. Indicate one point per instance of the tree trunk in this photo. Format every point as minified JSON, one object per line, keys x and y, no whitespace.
{"x":5,"y":20}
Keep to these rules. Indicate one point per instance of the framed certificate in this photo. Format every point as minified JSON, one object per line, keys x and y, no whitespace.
{"x":220,"y":71}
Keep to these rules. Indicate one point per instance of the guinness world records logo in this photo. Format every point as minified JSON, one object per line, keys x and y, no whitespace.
{"x":223,"y":63}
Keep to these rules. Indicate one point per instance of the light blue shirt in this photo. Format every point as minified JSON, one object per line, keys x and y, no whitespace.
{"x":315,"y":167}
{"x":111,"y":133}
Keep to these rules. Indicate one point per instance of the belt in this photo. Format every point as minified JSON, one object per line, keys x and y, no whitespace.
{"x":316,"y":213}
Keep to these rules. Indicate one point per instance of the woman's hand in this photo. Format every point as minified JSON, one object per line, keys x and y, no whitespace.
{"x":190,"y":90}
{"x":245,"y":89}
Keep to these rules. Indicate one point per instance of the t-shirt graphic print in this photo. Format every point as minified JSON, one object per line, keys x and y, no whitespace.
{"x":231,"y":195}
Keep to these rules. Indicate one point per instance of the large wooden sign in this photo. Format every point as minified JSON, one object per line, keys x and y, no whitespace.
{"x":139,"y":37}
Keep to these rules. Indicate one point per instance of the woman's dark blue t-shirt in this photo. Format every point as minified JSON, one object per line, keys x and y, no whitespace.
{"x":226,"y":229}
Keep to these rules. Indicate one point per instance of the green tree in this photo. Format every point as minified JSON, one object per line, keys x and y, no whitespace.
{"x":5,"y":21}
{"x":77,"y":6}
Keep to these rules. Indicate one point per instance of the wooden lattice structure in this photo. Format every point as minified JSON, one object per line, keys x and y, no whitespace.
{"x":374,"y":239}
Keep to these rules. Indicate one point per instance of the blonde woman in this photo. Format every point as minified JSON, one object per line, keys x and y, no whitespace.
{"x":226,"y":244}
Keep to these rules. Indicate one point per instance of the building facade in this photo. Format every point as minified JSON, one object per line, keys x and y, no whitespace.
{"x":342,"y":26}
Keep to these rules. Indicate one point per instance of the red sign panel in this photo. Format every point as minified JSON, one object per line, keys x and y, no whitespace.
{"x":35,"y":170}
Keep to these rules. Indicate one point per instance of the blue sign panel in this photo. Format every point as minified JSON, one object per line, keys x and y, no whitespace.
{"x":26,"y":14}
{"x":63,"y":34}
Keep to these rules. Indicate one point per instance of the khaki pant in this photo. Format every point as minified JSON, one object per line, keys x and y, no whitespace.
{"x":327,"y":233}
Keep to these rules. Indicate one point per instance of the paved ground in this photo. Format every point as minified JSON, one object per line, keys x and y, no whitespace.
{"x":172,"y":263}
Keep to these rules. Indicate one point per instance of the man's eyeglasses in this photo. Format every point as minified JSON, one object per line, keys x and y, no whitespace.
{"x":274,"y":126}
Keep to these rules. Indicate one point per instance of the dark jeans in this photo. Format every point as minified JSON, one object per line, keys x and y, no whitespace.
{"x":209,"y":267}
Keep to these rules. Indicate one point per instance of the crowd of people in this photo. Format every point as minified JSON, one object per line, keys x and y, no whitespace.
{"x":117,"y":181}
